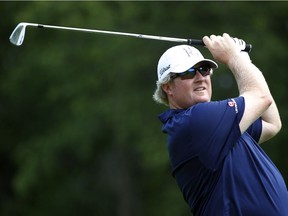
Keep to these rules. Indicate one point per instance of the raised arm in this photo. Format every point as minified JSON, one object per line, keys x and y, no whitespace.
{"x":251,"y":84}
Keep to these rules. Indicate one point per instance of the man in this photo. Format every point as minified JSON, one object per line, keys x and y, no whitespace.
{"x":213,"y":145}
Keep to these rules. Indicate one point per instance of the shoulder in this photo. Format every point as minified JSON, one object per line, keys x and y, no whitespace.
{"x":215,"y":108}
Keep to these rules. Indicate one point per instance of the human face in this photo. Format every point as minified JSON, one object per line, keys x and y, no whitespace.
{"x":185,"y":91}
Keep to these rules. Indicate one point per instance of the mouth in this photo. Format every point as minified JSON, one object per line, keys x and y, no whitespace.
{"x":199,"y":89}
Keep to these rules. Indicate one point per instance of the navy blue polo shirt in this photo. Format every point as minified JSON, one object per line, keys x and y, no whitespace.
{"x":219,"y":171}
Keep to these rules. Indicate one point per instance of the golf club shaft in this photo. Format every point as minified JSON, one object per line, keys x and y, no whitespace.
{"x":152,"y":37}
{"x":180,"y":40}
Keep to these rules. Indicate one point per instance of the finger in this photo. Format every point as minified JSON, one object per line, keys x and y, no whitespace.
{"x":206,"y":40}
{"x":213,"y":37}
{"x":226,"y":35}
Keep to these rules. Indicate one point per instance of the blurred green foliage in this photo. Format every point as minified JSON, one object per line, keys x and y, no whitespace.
{"x":79,"y":129}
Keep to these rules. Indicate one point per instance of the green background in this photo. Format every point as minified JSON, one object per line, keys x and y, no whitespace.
{"x":79,"y":129}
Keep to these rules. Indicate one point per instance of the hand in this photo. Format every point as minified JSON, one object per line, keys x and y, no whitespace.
{"x":224,"y":48}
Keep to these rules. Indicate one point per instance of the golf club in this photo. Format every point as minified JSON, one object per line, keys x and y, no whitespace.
{"x":18,"y":34}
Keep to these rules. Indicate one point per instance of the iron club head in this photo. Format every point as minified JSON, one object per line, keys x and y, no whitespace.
{"x":18,"y":34}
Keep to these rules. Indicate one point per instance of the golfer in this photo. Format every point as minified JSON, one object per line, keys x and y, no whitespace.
{"x":214,"y":145}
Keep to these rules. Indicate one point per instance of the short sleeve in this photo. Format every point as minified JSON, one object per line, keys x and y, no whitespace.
{"x":206,"y":131}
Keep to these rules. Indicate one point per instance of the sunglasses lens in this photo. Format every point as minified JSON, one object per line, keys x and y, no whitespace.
{"x":204,"y":70}
{"x":190,"y":73}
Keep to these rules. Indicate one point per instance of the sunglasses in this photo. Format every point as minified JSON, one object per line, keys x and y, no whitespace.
{"x":190,"y":73}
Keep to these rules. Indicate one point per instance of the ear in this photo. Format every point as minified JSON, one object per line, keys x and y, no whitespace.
{"x":167,"y":88}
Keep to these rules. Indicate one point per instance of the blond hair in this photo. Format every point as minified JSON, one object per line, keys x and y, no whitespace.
{"x":160,"y":95}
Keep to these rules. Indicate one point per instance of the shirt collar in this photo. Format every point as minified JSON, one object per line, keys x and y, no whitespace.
{"x":165,"y":116}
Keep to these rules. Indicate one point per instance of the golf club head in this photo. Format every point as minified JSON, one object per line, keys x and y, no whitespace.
{"x":17,"y":36}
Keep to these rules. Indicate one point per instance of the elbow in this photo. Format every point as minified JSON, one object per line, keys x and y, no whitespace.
{"x":278,"y":126}
{"x":273,"y":113}
{"x":267,"y":100}
{"x":275,"y":129}
{"x":263,"y":98}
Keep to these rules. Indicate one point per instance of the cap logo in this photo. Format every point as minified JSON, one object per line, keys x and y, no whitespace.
{"x":191,"y":52}
{"x":188,"y":52}
{"x":164,"y":69}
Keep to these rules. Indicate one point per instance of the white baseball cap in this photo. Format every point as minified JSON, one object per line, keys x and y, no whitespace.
{"x":180,"y":58}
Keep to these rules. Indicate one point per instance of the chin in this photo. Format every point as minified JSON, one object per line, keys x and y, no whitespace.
{"x":202,"y":99}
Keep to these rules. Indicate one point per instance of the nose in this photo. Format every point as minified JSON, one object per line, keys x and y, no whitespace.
{"x":199,"y":76}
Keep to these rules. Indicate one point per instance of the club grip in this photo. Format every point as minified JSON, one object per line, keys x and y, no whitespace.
{"x":248,"y":47}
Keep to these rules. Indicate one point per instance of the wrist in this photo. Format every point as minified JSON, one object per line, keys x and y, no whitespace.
{"x":240,"y":58}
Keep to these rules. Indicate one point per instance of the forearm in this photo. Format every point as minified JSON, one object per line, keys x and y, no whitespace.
{"x":258,"y":99}
{"x":248,"y":77}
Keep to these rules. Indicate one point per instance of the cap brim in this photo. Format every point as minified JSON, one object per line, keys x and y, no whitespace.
{"x":209,"y":62}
